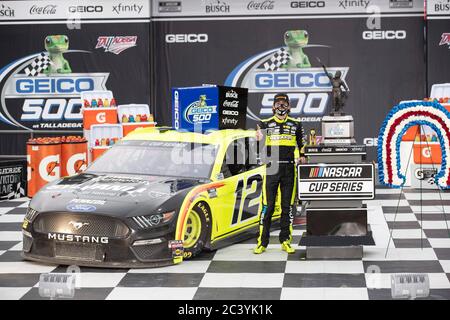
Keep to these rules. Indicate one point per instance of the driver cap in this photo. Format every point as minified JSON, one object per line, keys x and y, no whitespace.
{"x":281,"y":96}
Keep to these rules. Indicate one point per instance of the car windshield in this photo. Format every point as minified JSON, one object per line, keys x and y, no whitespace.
{"x":176,"y":159}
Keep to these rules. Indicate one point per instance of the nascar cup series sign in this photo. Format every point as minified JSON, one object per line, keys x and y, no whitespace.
{"x":40,"y":91}
{"x":336,"y":181}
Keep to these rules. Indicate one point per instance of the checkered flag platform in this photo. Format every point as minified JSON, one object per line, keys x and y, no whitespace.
{"x":39,"y":64}
{"x":279,"y":58}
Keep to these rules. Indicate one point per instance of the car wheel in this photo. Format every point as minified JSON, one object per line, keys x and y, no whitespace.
{"x":196,"y":230}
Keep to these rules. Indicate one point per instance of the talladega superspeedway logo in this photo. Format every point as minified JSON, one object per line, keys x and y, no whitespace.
{"x":199,"y":111}
{"x":286,"y":69}
{"x":40,"y":92}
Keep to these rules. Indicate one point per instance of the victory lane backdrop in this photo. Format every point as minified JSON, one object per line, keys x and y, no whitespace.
{"x":379,"y":73}
{"x":126,"y":74}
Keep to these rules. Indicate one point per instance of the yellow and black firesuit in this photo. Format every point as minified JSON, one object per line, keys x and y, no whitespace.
{"x":281,"y":136}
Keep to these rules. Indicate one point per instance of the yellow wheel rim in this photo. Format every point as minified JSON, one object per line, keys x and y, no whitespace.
{"x":193,"y":229}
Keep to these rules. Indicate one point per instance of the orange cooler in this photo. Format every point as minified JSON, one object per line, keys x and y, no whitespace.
{"x":44,"y":163}
{"x":427,"y":153}
{"x":73,"y":158}
{"x":98,"y":151}
{"x":99,"y":115}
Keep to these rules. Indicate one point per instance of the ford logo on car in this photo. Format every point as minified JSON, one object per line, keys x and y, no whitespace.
{"x":74,"y":207}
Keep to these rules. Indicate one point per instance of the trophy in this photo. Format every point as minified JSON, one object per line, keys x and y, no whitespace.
{"x":337,"y":127}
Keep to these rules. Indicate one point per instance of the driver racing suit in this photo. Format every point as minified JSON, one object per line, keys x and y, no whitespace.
{"x":281,"y":137}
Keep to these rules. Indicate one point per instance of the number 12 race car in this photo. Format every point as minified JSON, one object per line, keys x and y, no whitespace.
{"x":154,"y":199}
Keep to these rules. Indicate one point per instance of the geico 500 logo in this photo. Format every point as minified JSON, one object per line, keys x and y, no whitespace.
{"x":186,"y":38}
{"x":263,"y":74}
{"x":307,"y":4}
{"x":48,"y":101}
{"x":199,"y":114}
{"x":384,"y":35}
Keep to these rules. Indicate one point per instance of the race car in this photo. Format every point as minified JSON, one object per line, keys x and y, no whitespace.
{"x":156,"y":198}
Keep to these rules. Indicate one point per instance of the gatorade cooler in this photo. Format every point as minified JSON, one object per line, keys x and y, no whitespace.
{"x":98,"y":114}
{"x":411,"y":133}
{"x":427,"y":153}
{"x":44,"y":162}
{"x":74,"y":152}
{"x":142,"y":118}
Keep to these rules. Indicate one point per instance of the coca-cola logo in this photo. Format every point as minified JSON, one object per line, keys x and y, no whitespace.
{"x":231,"y":104}
{"x":43,"y":10}
{"x":261,"y":5}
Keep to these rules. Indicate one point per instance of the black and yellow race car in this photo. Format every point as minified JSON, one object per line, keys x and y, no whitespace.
{"x":154,"y":199}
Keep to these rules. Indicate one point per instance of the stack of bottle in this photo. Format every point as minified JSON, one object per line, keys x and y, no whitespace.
{"x":100,"y":103}
{"x":137,"y":118}
{"x":106,"y":142}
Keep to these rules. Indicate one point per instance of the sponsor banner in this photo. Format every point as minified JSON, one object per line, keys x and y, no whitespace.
{"x":336,"y":181}
{"x":80,"y":9}
{"x":205,"y":8}
{"x":335,"y":150}
{"x":288,"y":60}
{"x":438,"y":48}
{"x":12,"y":179}
{"x":41,"y":79}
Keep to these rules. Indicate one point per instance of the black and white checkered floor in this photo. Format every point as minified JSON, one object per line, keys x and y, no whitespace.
{"x":236,"y":273}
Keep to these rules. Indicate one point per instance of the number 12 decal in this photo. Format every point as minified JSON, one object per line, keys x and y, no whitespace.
{"x":250,"y":208}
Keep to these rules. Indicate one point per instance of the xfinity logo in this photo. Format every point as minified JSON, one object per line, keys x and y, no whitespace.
{"x":85,"y":9}
{"x":77,"y":238}
{"x":384,"y":35}
{"x":125,"y":8}
{"x":307,"y":4}
{"x":217,"y":6}
{"x":43,"y":10}
{"x":6,"y":11}
{"x":260,"y":5}
{"x":354,"y":3}
{"x":187,"y":38}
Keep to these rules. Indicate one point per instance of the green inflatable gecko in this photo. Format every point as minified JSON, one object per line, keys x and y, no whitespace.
{"x":56,"y":46}
{"x":296,"y":40}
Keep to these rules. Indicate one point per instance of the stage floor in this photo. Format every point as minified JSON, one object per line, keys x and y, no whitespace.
{"x":236,"y":273}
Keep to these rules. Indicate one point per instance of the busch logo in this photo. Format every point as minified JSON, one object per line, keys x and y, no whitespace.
{"x":217,"y":7}
{"x":6,"y":11}
{"x":445,"y":40}
{"x":116,"y":44}
{"x":231,"y":94}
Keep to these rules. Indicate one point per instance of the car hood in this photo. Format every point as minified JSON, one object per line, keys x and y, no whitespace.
{"x":113,"y":194}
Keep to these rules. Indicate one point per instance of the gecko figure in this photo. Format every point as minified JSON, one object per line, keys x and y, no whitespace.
{"x":296,"y":40}
{"x":56,"y":45}
{"x":202,"y":101}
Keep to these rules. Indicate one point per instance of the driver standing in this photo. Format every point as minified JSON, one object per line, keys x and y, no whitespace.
{"x":281,"y":135}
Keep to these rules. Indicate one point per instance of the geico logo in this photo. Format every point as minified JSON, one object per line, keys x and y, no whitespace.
{"x":76,"y":163}
{"x":230,"y":113}
{"x":307,"y":4}
{"x":59,"y":85}
{"x":291,"y":80}
{"x":84,"y":9}
{"x":49,"y":168}
{"x":101,"y":117}
{"x":371,"y":142}
{"x":202,"y":110}
{"x":176,"y":110}
{"x":384,"y":35}
{"x":186,"y":38}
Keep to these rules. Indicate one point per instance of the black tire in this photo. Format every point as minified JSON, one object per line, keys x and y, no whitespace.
{"x":203,"y":213}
